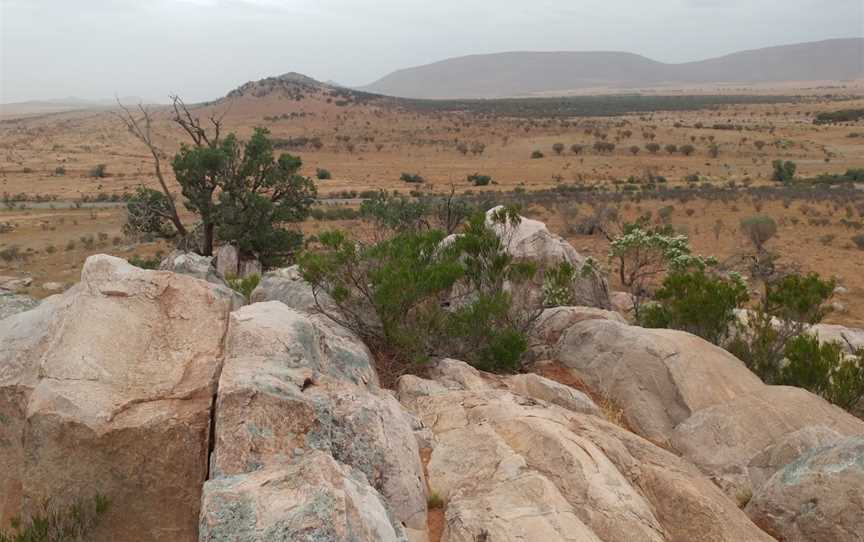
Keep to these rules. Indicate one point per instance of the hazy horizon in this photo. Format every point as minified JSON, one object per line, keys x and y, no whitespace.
{"x":201,"y":49}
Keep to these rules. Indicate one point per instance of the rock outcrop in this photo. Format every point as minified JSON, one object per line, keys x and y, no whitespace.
{"x":293,"y":386}
{"x":691,"y":397}
{"x":13,"y":303}
{"x":107,"y":389}
{"x":819,"y":496}
{"x":512,"y":466}
{"x":532,"y":240}
{"x":286,"y":285}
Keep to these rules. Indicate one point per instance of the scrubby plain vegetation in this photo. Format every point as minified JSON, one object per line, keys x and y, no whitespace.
{"x":699,"y":207}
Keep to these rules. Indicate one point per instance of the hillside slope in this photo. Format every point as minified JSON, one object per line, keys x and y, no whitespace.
{"x":525,"y":73}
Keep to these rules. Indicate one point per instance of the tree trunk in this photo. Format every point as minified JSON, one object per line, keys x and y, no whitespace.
{"x":207,"y":243}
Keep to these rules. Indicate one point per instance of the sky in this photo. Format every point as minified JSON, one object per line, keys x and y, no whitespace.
{"x":201,"y":49}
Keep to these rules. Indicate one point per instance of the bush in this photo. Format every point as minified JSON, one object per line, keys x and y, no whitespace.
{"x":411,"y":178}
{"x":824,"y":369}
{"x":97,"y":171}
{"x":322,"y":174}
{"x":59,"y":171}
{"x":558,"y":148}
{"x":52,"y":524}
{"x":653,"y":148}
{"x":698,"y":303}
{"x":536,"y":154}
{"x":390,"y":292}
{"x":479,"y":180}
{"x":671,"y":149}
{"x":577,"y":148}
{"x":859,"y":241}
{"x":634,"y":150}
{"x":759,"y":229}
{"x":783,"y":172}
{"x":148,"y":211}
{"x":687,"y":150}
{"x":243,"y":286}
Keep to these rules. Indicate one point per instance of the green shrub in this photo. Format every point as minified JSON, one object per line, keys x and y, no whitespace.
{"x":783,"y":171}
{"x":536,"y":154}
{"x":557,"y":285}
{"x":390,"y":294}
{"x":859,"y":240}
{"x":243,"y":286}
{"x":824,"y":369}
{"x":98,"y":171}
{"x":411,"y":178}
{"x":558,"y":148}
{"x":148,"y":211}
{"x":53,"y":524}
{"x":479,"y":180}
{"x":145,"y":263}
{"x":59,"y":171}
{"x":322,"y":174}
{"x":696,"y":302}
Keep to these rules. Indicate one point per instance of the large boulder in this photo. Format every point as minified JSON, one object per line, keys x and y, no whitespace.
{"x":553,"y":322}
{"x":532,"y":240}
{"x":513,"y":466}
{"x":311,"y":498}
{"x":107,"y":389}
{"x":819,"y":496}
{"x":691,"y":397}
{"x":194,"y":265}
{"x":287,"y":285}
{"x":851,"y":339}
{"x":13,"y":303}
{"x":291,"y":384}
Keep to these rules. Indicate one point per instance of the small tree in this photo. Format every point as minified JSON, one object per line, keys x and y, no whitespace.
{"x":653,"y":148}
{"x":479,"y":180}
{"x":783,"y":171}
{"x":759,"y":229}
{"x":644,"y":255}
{"x":536,"y":154}
{"x":577,"y":148}
{"x":687,"y":150}
{"x":322,"y":174}
{"x":634,"y":150}
{"x":671,"y":149}
{"x":558,"y":148}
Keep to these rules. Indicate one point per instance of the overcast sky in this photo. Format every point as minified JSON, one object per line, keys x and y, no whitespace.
{"x":203,"y":48}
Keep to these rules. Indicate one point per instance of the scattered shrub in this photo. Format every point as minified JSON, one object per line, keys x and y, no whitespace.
{"x":97,"y":171}
{"x":322,"y":174}
{"x":411,"y":178}
{"x":479,"y":180}
{"x":783,"y":172}
{"x":536,"y":154}
{"x":243,"y":286}
{"x":759,"y":229}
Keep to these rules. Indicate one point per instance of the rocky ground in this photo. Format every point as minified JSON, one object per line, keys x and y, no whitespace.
{"x":204,"y":418}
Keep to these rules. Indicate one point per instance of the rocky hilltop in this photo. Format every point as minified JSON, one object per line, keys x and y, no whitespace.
{"x":200,"y":418}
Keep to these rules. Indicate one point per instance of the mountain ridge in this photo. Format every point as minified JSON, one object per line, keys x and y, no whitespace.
{"x":525,"y":73}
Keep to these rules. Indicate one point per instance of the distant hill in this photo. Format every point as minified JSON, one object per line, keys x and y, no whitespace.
{"x":40,"y":107}
{"x":527,"y":73}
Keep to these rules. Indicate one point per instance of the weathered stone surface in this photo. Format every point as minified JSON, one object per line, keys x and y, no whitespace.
{"x":658,"y":376}
{"x":13,"y":304}
{"x":293,"y":383}
{"x":783,"y":452}
{"x":622,"y":302}
{"x":551,"y":323}
{"x":513,"y":467}
{"x":819,"y":496}
{"x":687,"y":395}
{"x":532,"y":385}
{"x":852,"y":339}
{"x":13,"y":284}
{"x":194,"y":265}
{"x":107,"y":389}
{"x":313,"y":498}
{"x":531,"y":240}
{"x":227,"y":260}
{"x":286,"y":285}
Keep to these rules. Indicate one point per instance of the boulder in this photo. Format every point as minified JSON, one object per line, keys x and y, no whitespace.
{"x":293,"y":384}
{"x":819,"y":496}
{"x":659,"y":377}
{"x":851,"y":339}
{"x":286,"y":285}
{"x":311,"y":498}
{"x":194,"y":265}
{"x":547,"y":329}
{"x":107,"y":389}
{"x":622,"y":302}
{"x":516,"y":467}
{"x":13,"y":304}
{"x":227,"y":260}
{"x":687,"y":395}
{"x":13,"y":284}
{"x":531,"y":240}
